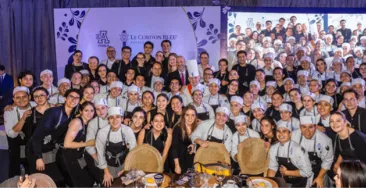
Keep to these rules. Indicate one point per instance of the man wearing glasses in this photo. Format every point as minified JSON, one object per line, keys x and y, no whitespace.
{"x":49,"y":135}
{"x":111,"y":57}
{"x":354,"y":113}
{"x":120,"y":67}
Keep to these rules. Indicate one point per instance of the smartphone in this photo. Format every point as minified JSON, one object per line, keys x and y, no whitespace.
{"x":22,"y":172}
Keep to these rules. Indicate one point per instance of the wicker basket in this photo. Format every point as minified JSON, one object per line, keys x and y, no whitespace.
{"x":146,"y":158}
{"x":43,"y":181}
{"x":215,"y":152}
{"x":253,"y":157}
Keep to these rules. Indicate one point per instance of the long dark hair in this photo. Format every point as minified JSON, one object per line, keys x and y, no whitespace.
{"x":353,"y":174}
{"x":85,"y":104}
{"x":139,"y":109}
{"x":182,"y":123}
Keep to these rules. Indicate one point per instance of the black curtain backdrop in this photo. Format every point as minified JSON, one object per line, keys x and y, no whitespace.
{"x":27,"y":31}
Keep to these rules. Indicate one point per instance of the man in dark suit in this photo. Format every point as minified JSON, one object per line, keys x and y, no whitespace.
{"x":181,"y":73}
{"x":346,"y":32}
{"x":155,"y":72}
{"x":6,"y":81}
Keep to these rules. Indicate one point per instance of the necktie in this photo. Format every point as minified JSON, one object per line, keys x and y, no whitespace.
{"x":182,"y":78}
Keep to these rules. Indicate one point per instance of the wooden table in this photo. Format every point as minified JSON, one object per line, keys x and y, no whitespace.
{"x":171,"y":176}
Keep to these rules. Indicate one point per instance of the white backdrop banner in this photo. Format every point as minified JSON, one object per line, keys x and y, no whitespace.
{"x":192,"y":30}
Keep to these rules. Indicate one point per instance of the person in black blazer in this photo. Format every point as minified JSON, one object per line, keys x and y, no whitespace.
{"x":177,"y":73}
{"x":6,"y":81}
{"x":76,"y":65}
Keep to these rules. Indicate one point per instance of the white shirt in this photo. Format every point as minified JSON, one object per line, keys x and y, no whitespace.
{"x":203,"y":108}
{"x":297,"y":155}
{"x":108,"y":63}
{"x":128,"y":107}
{"x":92,"y":131}
{"x":294,"y":122}
{"x":11,"y":118}
{"x":217,"y":99}
{"x":205,"y":128}
{"x":112,"y":102}
{"x":200,"y":71}
{"x":313,"y":112}
{"x":114,"y":137}
{"x":237,"y":139}
{"x":56,"y":99}
{"x":323,"y":146}
{"x":186,"y":98}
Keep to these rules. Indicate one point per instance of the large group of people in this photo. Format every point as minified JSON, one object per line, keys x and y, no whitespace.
{"x":303,"y":94}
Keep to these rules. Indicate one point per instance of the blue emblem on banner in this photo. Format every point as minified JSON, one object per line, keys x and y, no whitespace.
{"x":124,"y":38}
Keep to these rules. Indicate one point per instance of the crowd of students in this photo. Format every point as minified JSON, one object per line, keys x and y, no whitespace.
{"x":308,"y":108}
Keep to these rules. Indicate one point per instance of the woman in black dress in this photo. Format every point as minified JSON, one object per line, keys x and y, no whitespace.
{"x":176,"y":104}
{"x":182,"y":148}
{"x":158,"y":136}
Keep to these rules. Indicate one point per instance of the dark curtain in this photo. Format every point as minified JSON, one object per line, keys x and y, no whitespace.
{"x":27,"y":31}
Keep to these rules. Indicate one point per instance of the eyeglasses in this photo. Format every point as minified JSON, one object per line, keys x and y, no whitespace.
{"x":39,"y":96}
{"x":73,"y":97}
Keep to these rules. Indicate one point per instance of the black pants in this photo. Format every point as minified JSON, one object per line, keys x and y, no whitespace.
{"x":4,"y":164}
{"x":94,"y":171}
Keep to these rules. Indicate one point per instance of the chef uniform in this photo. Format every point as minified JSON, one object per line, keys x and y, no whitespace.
{"x":362,"y":101}
{"x":314,"y":110}
{"x":286,"y":96}
{"x":58,"y":98}
{"x":238,"y":138}
{"x":230,"y":122}
{"x":319,"y":147}
{"x":192,"y":68}
{"x":204,"y":110}
{"x":16,"y":140}
{"x":112,"y":102}
{"x":127,"y":107}
{"x":94,"y":126}
{"x":294,"y":122}
{"x":155,"y":92}
{"x":256,"y":125}
{"x":52,"y":90}
{"x":113,"y":146}
{"x":303,"y":89}
{"x":292,"y":156}
{"x":208,"y":131}
{"x":216,"y":100}
{"x":319,"y":120}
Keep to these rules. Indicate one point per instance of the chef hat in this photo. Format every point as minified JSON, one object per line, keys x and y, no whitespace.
{"x":277,"y":41}
{"x":283,"y":124}
{"x":159,"y":79}
{"x":192,"y":68}
{"x":267,"y":39}
{"x":269,"y":50}
{"x":301,"y":49}
{"x":358,"y":48}
{"x":46,"y":71}
{"x":271,"y":84}
{"x":310,"y":94}
{"x":223,"y":109}
{"x":20,"y":88}
{"x":133,"y":89}
{"x":290,"y":38}
{"x":255,"y":82}
{"x":327,"y":99}
{"x":215,"y":81}
{"x":363,"y":38}
{"x":256,"y":105}
{"x":237,"y":99}
{"x":338,"y":49}
{"x":307,"y":120}
{"x":358,"y":81}
{"x":286,"y":107}
{"x":289,"y":79}
{"x":63,"y":80}
{"x":302,"y":72}
{"x":116,"y":110}
{"x":240,"y":119}
{"x":346,"y":84}
{"x":198,"y":87}
{"x":347,"y":72}
{"x":84,"y":72}
{"x":268,"y":55}
{"x":337,"y":60}
{"x":116,"y":84}
{"x":101,"y":102}
{"x":305,"y":58}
